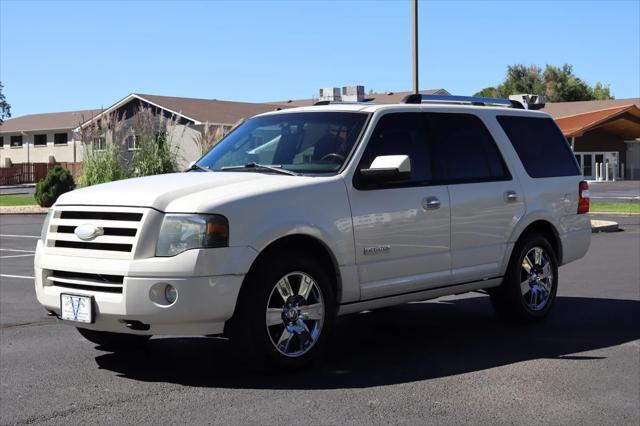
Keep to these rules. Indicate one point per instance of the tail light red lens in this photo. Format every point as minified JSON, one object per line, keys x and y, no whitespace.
{"x":583,"y":197}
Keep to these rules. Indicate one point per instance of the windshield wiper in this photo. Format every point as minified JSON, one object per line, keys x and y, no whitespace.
{"x":273,"y":168}
{"x":194,"y":166}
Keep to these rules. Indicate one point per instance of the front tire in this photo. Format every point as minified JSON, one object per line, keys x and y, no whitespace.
{"x":114,"y":341}
{"x":285,"y":312}
{"x":528,"y":291}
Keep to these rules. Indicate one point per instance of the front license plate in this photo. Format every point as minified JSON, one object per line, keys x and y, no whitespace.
{"x":76,"y":308}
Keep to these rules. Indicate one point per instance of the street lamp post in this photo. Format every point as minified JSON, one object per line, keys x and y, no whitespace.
{"x":415,"y":47}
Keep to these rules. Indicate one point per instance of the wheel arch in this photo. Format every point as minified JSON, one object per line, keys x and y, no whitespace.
{"x":308,"y":244}
{"x":549,"y":231}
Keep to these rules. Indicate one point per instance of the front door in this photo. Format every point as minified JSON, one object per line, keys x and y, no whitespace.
{"x":401,"y":229}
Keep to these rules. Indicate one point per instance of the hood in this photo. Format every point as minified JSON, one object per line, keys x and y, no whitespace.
{"x":178,"y":192}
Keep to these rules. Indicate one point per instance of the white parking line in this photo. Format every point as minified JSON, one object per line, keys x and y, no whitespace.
{"x":17,"y":250}
{"x":16,"y":276}
{"x":17,"y":255}
{"x":19,"y":236}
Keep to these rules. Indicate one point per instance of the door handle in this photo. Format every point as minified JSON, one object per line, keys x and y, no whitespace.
{"x":510,"y":196}
{"x":430,"y":203}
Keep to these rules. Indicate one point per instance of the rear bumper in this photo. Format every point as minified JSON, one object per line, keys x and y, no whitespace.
{"x":575,"y":244}
{"x":203,"y":304}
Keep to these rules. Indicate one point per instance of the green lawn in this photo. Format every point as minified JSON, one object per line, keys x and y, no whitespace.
{"x":615,"y":207}
{"x":16,"y":200}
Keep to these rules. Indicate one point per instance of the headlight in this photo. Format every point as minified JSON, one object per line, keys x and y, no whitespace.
{"x":45,"y":225}
{"x":181,"y":232}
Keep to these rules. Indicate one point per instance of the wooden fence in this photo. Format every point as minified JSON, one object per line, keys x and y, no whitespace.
{"x":19,"y":174}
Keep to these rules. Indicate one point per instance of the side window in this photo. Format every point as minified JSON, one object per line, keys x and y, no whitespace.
{"x":464,"y":150}
{"x":399,"y":134}
{"x":541,"y":146}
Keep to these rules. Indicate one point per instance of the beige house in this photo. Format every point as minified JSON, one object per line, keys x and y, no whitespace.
{"x":42,"y":138}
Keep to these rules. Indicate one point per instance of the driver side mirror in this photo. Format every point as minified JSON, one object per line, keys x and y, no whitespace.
{"x":388,"y":168}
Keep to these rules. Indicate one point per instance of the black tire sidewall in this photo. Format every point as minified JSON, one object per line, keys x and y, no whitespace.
{"x":252,"y":321}
{"x":514,"y":293}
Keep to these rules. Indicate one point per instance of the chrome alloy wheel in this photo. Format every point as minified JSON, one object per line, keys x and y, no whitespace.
{"x":295,"y":314}
{"x":536,"y":278}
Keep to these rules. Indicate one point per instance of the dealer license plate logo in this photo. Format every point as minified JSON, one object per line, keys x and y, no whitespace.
{"x":76,"y":308}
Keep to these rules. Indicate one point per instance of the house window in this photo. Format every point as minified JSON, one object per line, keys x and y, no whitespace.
{"x":1,"y":141}
{"x":16,"y":141}
{"x":60,"y":139}
{"x":40,"y":140}
{"x":133,"y":142}
{"x":99,"y":143}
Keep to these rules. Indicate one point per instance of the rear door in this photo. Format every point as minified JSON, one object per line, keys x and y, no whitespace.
{"x":486,"y":202}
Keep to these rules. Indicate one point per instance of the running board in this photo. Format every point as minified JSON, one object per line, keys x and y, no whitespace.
{"x":433,"y":293}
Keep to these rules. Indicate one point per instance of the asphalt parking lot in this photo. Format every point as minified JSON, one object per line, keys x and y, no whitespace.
{"x":446,"y":361}
{"x":615,"y":192}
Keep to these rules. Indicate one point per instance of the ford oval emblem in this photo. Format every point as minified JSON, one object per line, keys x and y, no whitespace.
{"x":88,"y":232}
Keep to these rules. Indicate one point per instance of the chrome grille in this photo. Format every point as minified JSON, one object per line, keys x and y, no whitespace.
{"x":119,"y":229}
{"x":84,"y":281}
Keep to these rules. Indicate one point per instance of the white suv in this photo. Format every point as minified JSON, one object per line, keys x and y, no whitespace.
{"x":301,"y":215}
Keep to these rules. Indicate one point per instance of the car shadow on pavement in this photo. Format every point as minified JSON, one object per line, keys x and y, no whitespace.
{"x":402,"y":344}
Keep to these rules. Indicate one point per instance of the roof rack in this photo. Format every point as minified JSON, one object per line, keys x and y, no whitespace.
{"x":326,"y":102}
{"x":418,"y":98}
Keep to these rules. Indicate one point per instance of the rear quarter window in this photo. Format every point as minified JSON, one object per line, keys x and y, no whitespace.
{"x":540,"y":145}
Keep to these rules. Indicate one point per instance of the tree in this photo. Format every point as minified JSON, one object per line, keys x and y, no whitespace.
{"x":558,"y":84}
{"x":601,"y":92}
{"x":5,"y":108}
{"x":488,"y":92}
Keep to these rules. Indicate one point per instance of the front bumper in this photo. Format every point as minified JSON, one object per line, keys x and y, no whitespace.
{"x":205,"y":299}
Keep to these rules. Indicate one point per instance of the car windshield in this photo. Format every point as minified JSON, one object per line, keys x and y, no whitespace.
{"x":304,"y":142}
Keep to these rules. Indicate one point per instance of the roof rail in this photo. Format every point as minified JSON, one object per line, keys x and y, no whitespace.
{"x":418,"y":98}
{"x":325,"y":102}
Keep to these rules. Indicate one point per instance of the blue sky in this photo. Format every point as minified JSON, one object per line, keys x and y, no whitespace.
{"x":58,"y":56}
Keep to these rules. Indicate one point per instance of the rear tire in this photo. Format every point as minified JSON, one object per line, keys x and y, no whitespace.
{"x":285,"y":311}
{"x":528,"y":291}
{"x":114,"y":341}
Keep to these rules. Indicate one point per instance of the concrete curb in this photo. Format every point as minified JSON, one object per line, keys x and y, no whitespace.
{"x":604,"y":226}
{"x":615,"y":213}
{"x":23,"y":210}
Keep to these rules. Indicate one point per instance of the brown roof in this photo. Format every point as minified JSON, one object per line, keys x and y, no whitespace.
{"x":380,"y":98}
{"x":211,"y":110}
{"x":48,"y":121}
{"x":623,"y":121}
{"x":563,"y":109}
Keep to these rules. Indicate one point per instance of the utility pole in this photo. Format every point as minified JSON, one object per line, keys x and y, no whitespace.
{"x":415,"y":47}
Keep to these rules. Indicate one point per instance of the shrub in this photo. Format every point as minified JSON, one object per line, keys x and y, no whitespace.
{"x":102,"y":166}
{"x":154,"y":156}
{"x":57,"y":181}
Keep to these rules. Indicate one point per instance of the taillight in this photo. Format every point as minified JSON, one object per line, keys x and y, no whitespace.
{"x":583,"y":197}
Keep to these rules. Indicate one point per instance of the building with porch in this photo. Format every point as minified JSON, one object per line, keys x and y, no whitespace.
{"x":602,"y":132}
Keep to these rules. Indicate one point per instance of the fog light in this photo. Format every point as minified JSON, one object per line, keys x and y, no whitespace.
{"x":170,"y":293}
